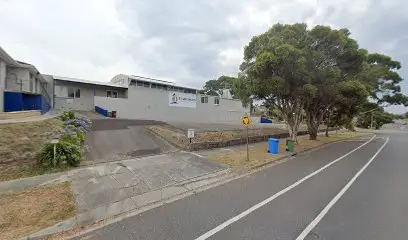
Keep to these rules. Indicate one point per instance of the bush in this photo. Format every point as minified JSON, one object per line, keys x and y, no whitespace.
{"x":67,"y":153}
{"x":69,"y":115}
{"x":71,"y":146}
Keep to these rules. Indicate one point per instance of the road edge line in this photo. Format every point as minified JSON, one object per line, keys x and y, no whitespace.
{"x":276,"y":195}
{"x":326,"y":209}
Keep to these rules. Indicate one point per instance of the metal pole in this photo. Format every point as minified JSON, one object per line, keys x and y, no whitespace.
{"x":247,"y":144}
{"x":371,"y":120}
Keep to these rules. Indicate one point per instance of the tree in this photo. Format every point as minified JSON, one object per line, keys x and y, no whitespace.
{"x":215,"y":87}
{"x":373,"y":112}
{"x":274,"y":70}
{"x":333,"y":61}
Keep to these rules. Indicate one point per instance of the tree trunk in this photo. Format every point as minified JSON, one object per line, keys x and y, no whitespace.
{"x":313,"y":122}
{"x":327,"y":124}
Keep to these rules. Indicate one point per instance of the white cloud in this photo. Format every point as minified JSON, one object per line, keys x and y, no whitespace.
{"x":181,"y":40}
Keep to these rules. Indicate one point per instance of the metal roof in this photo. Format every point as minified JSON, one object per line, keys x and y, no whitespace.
{"x":68,"y":79}
{"x":153,"y":80}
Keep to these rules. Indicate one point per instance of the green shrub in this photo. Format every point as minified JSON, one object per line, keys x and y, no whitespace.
{"x":68,"y":152}
{"x":68,"y":115}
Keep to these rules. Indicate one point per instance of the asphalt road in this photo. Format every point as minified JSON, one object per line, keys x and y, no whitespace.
{"x":349,"y":190}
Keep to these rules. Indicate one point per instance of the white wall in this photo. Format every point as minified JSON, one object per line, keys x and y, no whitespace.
{"x":148,"y":103}
{"x":2,"y":84}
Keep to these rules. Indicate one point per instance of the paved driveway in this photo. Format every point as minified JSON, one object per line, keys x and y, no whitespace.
{"x":118,"y":139}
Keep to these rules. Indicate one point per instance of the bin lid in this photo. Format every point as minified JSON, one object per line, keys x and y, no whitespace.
{"x":273,"y":139}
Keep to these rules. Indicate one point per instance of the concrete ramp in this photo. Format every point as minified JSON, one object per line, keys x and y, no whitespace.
{"x":118,"y":139}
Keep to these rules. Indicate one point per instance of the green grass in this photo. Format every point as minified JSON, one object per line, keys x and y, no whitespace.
{"x":19,"y":145}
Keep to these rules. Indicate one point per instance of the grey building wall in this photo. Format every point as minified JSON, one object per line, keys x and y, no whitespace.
{"x":2,"y":84}
{"x":149,"y":103}
{"x":100,"y":91}
{"x":87,"y":92}
{"x":62,"y":102}
{"x":18,"y":79}
{"x":49,"y":87}
{"x":121,"y":79}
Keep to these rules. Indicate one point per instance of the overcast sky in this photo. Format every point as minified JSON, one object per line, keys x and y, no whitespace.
{"x":186,"y":41}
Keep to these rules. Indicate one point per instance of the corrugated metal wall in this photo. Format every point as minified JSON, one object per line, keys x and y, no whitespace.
{"x":17,"y":101}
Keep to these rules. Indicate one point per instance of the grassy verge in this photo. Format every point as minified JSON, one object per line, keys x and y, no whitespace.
{"x":19,"y":144}
{"x":236,"y":157}
{"x":25,"y":212}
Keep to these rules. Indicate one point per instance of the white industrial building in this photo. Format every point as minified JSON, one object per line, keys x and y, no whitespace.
{"x":22,"y":88}
{"x":135,"y":97}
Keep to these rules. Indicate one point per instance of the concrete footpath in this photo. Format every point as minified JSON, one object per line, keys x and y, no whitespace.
{"x":111,"y":189}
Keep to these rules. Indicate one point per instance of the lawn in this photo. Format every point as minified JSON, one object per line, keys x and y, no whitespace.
{"x":19,"y":144}
{"x":237,"y":157}
{"x":26,"y":212}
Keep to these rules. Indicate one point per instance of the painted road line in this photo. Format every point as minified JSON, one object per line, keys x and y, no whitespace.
{"x":319,"y":217}
{"x":276,"y":195}
{"x":196,"y":154}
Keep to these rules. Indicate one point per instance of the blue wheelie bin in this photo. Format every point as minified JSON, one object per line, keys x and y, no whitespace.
{"x":273,"y":145}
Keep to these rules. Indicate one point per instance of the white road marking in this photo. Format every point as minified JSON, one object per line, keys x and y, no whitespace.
{"x":319,"y":217}
{"x":276,"y":195}
{"x":196,"y":154}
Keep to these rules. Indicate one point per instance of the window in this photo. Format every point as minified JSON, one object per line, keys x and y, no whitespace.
{"x":78,"y":93}
{"x":216,"y":101}
{"x":74,"y":92}
{"x":154,"y":85}
{"x":204,"y":99}
{"x":71,"y":93}
{"x":112,"y":94}
{"x":146,"y":84}
{"x":139,"y":83}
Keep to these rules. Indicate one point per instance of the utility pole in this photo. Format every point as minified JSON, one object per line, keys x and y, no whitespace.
{"x":372,"y":117}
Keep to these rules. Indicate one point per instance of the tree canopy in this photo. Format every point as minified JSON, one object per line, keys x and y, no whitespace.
{"x":314,"y":72}
{"x":215,"y":87}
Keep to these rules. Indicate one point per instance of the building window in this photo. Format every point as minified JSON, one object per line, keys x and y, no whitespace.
{"x":77,"y":93}
{"x":74,"y":92}
{"x":154,"y":85}
{"x":204,"y":99}
{"x":139,"y":83}
{"x":146,"y":84}
{"x":216,"y":101}
{"x":112,"y":94}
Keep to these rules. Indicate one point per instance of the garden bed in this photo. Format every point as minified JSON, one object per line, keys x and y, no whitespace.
{"x":218,"y":139}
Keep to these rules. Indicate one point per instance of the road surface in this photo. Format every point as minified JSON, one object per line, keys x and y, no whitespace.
{"x":349,"y":190}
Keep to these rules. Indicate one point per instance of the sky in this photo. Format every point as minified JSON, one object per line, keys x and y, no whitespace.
{"x":185,"y":41}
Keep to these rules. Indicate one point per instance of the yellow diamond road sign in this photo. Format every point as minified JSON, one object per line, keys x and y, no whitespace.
{"x":246,"y":120}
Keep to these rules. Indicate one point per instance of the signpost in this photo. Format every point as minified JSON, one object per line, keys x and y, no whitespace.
{"x":55,"y":141}
{"x":246,"y":121}
{"x":190,"y":133}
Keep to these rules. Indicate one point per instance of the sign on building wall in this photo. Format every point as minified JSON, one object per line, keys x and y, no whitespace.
{"x":177,"y":99}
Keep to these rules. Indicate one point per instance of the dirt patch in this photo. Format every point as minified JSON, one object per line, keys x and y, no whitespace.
{"x":19,"y":143}
{"x":237,"y":158}
{"x":23,"y":213}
